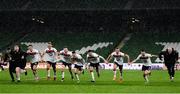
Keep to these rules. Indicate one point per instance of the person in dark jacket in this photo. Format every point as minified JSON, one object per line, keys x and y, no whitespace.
{"x":170,"y":57}
{"x":17,"y":62}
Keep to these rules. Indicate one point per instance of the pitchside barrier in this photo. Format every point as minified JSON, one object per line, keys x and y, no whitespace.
{"x":135,"y":66}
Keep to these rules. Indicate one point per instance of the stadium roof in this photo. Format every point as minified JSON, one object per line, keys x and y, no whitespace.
{"x":20,"y":5}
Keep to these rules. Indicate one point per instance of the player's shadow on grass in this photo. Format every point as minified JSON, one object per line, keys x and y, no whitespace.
{"x":125,"y":83}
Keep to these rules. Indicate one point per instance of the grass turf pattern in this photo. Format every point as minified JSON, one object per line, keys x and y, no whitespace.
{"x":133,"y":83}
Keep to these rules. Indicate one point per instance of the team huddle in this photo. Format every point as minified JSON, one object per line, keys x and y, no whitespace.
{"x":17,"y":62}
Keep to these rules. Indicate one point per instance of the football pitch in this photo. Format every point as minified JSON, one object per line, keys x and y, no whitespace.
{"x":133,"y":83}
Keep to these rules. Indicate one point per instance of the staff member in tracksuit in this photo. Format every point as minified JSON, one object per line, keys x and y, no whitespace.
{"x":170,"y":58}
{"x":17,"y":62}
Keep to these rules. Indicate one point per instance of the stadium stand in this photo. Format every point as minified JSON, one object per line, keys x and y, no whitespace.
{"x":61,"y":4}
{"x":101,"y":42}
{"x":9,"y":37}
{"x":62,"y":14}
{"x":149,"y":40}
{"x":175,"y":45}
{"x":157,"y":4}
{"x":40,"y":46}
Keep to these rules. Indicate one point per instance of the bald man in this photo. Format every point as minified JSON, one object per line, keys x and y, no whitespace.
{"x":170,"y":58}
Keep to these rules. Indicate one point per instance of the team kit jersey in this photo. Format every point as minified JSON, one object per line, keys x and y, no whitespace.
{"x":65,"y":57}
{"x":50,"y":55}
{"x":33,"y":56}
{"x":77,"y":60}
{"x":146,"y":59}
{"x":118,"y":57}
{"x":93,"y":58}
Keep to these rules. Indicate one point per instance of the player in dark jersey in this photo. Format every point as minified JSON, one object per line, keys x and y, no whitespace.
{"x":17,"y":62}
{"x":170,"y":57}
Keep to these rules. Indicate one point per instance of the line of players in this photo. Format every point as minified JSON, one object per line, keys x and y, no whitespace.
{"x":75,"y":62}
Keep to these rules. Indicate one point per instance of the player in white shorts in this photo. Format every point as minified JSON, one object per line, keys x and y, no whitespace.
{"x":78,"y":62}
{"x":33,"y":56}
{"x":146,"y":60}
{"x":118,"y":61}
{"x":65,"y":56}
{"x":50,"y":56}
{"x":94,"y":60}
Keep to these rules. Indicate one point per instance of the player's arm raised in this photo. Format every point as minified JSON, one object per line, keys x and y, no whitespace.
{"x":103,"y":59}
{"x":42,"y":55}
{"x":128,"y":58}
{"x":86,"y":61}
{"x":109,"y":59}
{"x":136,"y":59}
{"x":56,"y":54}
{"x":82,"y":61}
{"x":154,"y":55}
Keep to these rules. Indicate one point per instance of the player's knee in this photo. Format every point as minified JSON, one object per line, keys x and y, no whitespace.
{"x":62,"y":68}
{"x":146,"y":72}
{"x":17,"y":69}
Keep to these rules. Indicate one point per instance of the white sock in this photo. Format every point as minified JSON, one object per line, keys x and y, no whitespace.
{"x":18,"y":74}
{"x":146,"y":78}
{"x":48,"y":73}
{"x":172,"y":78}
{"x":92,"y":75}
{"x":77,"y":76}
{"x":18,"y":77}
{"x":62,"y":74}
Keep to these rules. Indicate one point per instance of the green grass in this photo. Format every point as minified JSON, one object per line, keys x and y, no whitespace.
{"x":133,"y":83}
